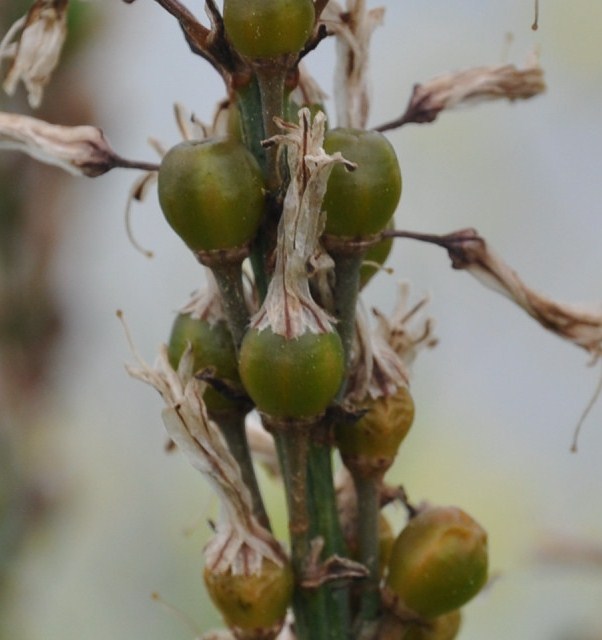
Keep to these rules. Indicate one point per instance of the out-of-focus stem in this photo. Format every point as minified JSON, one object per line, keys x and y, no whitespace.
{"x":347,"y":275}
{"x":232,"y":425}
{"x":228,"y":276}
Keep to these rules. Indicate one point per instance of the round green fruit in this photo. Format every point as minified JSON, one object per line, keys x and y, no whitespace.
{"x":212,"y":346}
{"x":360,"y":203}
{"x":291,"y":378}
{"x":268,"y":28}
{"x":252,"y":602}
{"x":212,"y":193}
{"x":437,"y":564}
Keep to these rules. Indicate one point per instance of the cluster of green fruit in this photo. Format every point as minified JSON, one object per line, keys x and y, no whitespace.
{"x":213,"y":194}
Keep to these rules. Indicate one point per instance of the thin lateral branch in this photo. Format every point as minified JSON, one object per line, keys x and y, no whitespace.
{"x":479,"y":84}
{"x":580,"y":324}
{"x":124,"y":163}
{"x":196,"y":34}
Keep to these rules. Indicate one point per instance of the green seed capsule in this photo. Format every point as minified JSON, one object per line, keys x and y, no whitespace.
{"x":211,"y":193}
{"x":438,"y":563}
{"x":360,"y":203}
{"x":212,"y":346}
{"x":268,"y":28}
{"x":252,"y":604}
{"x":291,"y":378}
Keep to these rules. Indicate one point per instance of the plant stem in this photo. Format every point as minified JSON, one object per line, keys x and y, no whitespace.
{"x":319,"y":612}
{"x":324,"y":522}
{"x":232,"y":425}
{"x":271,"y":80}
{"x":368,"y":496}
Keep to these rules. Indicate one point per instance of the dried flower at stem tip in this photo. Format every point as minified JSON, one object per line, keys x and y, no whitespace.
{"x":581,"y":324}
{"x":81,"y":151}
{"x":461,"y":88}
{"x":353,"y":28}
{"x":36,"y":51}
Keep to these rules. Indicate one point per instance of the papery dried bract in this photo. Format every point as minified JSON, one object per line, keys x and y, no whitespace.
{"x":289,"y":308}
{"x":36,"y":52}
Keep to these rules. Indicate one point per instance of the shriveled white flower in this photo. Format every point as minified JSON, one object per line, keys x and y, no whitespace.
{"x":383,"y":356}
{"x":289,"y":308}
{"x":408,"y":329}
{"x":353,"y":28}
{"x":36,"y":51}
{"x":471,"y":86}
{"x":376,"y":370}
{"x":81,"y":151}
{"x":240,"y":544}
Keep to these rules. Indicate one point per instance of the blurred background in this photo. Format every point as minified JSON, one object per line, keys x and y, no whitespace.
{"x":105,"y":517}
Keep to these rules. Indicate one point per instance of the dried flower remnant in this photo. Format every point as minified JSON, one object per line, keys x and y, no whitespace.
{"x":81,"y":151}
{"x":353,"y":29}
{"x":244,"y":562}
{"x":580,"y":324}
{"x":408,"y":330}
{"x":36,"y":53}
{"x":289,"y":308}
{"x":471,"y":86}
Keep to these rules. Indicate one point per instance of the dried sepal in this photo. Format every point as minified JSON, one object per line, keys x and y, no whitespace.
{"x":206,"y":303}
{"x":289,"y":309}
{"x":36,"y":51}
{"x":353,"y":28}
{"x":471,"y":86}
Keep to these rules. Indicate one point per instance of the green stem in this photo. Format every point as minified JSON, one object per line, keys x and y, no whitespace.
{"x":319,"y":612}
{"x":232,"y":425}
{"x":368,"y":508}
{"x":248,"y":100}
{"x":324,"y":522}
{"x":271,"y":79}
{"x":228,"y":276}
{"x":292,"y":448}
